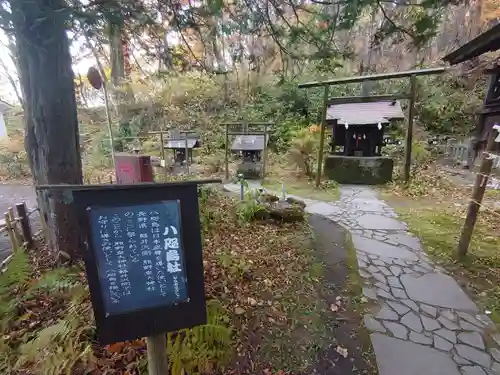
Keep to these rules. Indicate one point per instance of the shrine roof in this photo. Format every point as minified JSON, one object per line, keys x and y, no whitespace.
{"x":181,"y":143}
{"x":488,"y":41}
{"x":365,"y":113}
{"x":248,"y":143}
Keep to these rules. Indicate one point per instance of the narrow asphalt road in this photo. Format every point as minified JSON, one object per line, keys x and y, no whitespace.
{"x":10,"y":195}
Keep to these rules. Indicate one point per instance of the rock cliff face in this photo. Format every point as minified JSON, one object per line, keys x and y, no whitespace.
{"x":460,"y":23}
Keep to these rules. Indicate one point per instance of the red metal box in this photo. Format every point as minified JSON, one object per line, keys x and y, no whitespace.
{"x":133,"y":168}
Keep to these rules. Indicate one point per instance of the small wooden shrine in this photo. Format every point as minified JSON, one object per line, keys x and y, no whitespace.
{"x":356,"y":148}
{"x":357,"y":140}
{"x":250,"y":145}
{"x":358,"y":128}
{"x":250,"y":148}
{"x":182,"y":146}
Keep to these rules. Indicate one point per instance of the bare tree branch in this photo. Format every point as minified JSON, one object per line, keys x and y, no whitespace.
{"x":396,"y":27}
{"x":12,"y":81}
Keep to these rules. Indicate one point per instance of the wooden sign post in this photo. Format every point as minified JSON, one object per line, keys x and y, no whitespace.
{"x":491,"y":111}
{"x":143,"y":259}
{"x":477,"y":196}
{"x":157,"y":354}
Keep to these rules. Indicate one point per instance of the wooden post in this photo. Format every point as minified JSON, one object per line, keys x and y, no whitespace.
{"x":226,"y":83}
{"x":13,"y":221}
{"x":110,"y":124}
{"x":322,"y":135}
{"x":157,"y":354}
{"x":264,"y":161}
{"x":10,"y":231}
{"x":409,"y":129}
{"x":186,"y":156}
{"x":476,"y":199}
{"x":162,"y":156}
{"x":162,"y":145}
{"x":347,"y":148}
{"x":226,"y":160}
{"x":24,"y":222}
{"x":334,"y":137}
{"x":43,"y":224}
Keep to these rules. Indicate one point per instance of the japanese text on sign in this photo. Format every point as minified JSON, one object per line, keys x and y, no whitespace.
{"x":140,"y":256}
{"x":497,"y":128}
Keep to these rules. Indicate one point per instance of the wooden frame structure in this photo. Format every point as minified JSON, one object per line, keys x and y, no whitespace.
{"x":486,"y":42}
{"x":412,"y":74}
{"x":184,"y":135}
{"x":165,"y":137}
{"x":243,"y":128}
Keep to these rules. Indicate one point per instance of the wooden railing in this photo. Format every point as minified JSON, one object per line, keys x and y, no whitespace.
{"x":17,"y":224}
{"x":18,"y":228}
{"x":459,"y":152}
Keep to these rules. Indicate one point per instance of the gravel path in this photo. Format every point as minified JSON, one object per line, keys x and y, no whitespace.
{"x":10,"y":195}
{"x":421,"y":321}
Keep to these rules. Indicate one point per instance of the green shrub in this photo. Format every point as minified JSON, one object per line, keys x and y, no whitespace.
{"x":15,"y":276}
{"x":303,"y":150}
{"x":446,"y":106}
{"x":248,"y":210}
{"x":204,"y":348}
{"x":250,"y":207}
{"x":214,"y":162}
{"x":14,"y":159}
{"x":58,"y":348}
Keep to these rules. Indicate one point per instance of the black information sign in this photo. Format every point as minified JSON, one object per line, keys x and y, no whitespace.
{"x":143,"y":258}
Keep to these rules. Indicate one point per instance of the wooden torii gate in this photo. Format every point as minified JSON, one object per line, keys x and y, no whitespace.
{"x":412,"y":74}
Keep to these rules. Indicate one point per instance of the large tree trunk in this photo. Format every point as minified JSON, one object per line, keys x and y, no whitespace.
{"x":116,"y":54}
{"x":51,"y":124}
{"x":123,"y":94}
{"x":165,"y":61}
{"x":216,"y":48}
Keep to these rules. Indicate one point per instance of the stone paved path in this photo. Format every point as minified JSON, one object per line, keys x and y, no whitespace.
{"x":421,"y":323}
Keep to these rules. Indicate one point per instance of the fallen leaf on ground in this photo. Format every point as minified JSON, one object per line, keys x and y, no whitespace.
{"x":239,"y":311}
{"x":25,"y":316}
{"x":115,"y":348}
{"x":342,"y":351}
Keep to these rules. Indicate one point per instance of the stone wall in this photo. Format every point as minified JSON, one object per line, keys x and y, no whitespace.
{"x":358,"y":170}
